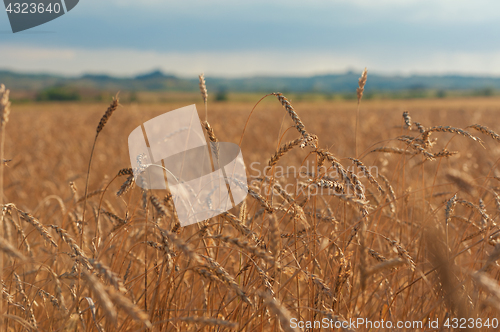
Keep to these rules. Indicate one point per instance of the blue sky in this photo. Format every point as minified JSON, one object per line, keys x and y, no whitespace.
{"x":241,"y":38}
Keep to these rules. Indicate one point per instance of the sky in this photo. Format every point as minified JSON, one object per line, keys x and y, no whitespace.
{"x":233,"y":38}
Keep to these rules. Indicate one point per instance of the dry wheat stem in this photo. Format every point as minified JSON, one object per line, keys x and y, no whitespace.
{"x":90,"y":195}
{"x":104,"y":119}
{"x":388,"y":149}
{"x":4,"y":118}
{"x":208,"y":321}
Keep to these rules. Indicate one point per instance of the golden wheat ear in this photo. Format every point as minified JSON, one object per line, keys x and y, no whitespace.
{"x":362,"y":83}
{"x":204,"y":93}
{"x":111,"y":109}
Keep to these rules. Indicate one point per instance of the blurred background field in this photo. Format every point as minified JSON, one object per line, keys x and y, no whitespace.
{"x":157,"y":86}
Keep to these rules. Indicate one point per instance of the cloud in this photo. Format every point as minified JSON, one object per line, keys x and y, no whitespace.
{"x":444,"y":11}
{"x":235,"y":37}
{"x":37,"y":55}
{"x":126,"y":62}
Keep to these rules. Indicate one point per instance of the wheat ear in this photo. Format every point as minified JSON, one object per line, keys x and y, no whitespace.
{"x":204,"y":93}
{"x":308,"y":139}
{"x":359,"y":92}
{"x":283,"y":150}
{"x":448,"y":129}
{"x":485,"y":130}
{"x":407,"y":118}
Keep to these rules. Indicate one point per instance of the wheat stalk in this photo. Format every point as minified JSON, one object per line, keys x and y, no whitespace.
{"x":208,"y":321}
{"x":104,"y":119}
{"x":387,"y":149}
{"x":4,"y":118}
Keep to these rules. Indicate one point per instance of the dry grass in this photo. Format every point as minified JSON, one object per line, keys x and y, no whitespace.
{"x":399,"y":236}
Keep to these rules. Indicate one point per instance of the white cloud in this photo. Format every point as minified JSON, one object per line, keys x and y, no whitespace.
{"x":25,"y":53}
{"x":444,"y":11}
{"x":126,"y":62}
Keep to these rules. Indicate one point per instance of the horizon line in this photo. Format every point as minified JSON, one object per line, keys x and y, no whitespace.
{"x":350,"y":71}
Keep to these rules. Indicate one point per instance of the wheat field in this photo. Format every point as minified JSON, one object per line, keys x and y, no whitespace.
{"x":391,"y":216}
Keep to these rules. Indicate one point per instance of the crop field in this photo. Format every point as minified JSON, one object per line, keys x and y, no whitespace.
{"x":389,"y":213}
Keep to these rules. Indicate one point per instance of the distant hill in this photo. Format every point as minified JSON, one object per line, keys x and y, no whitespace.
{"x":335,"y":83}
